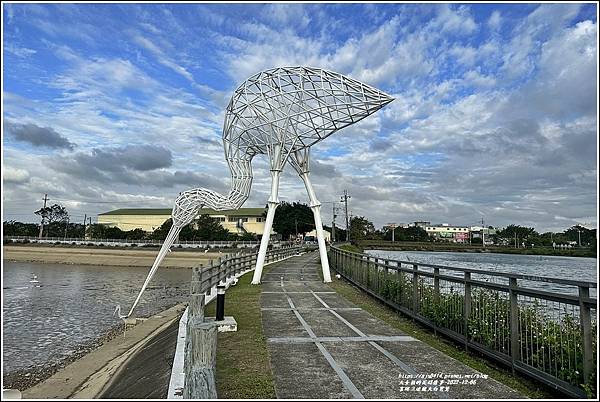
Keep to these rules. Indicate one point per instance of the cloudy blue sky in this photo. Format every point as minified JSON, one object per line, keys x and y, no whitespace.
{"x":121,"y":105}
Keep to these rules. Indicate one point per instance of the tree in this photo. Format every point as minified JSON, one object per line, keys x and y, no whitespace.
{"x":289,"y":216}
{"x":412,"y":233}
{"x":521,"y":234}
{"x":361,"y":229}
{"x":160,"y":233}
{"x":135,"y":234}
{"x":204,"y":228}
{"x":14,"y":228}
{"x":53,"y":213}
{"x":52,"y":217}
{"x":208,"y":228}
{"x":588,"y":236}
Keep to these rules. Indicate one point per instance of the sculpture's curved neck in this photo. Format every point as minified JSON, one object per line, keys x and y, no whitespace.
{"x":189,"y":202}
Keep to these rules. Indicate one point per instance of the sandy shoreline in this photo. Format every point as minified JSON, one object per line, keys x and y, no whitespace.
{"x":107,"y":257}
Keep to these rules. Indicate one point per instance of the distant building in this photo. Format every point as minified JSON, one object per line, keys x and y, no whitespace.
{"x":450,"y":233}
{"x":313,"y":235}
{"x":243,"y":220}
{"x":421,"y":224}
{"x":477,"y":232}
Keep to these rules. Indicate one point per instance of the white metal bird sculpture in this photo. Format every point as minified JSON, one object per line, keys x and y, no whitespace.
{"x":281,"y":113}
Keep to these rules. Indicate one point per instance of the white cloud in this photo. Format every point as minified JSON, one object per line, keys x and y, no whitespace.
{"x":19,"y":51}
{"x":464,"y":54}
{"x":477,"y":79}
{"x":14,"y":175}
{"x":162,"y":57}
{"x":495,"y":20}
{"x":455,"y":20}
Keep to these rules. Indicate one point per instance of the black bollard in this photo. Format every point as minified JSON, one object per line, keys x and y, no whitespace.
{"x":220,"y":303}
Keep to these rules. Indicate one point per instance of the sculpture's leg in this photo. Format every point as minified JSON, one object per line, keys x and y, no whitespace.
{"x":264,"y":242}
{"x":315,"y":205}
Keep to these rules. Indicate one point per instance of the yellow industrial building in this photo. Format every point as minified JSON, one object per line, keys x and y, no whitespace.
{"x":243,"y":220}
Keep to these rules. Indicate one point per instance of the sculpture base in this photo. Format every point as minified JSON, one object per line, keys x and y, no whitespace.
{"x":229,"y":324}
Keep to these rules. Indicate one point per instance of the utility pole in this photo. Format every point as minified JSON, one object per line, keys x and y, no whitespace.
{"x":344,"y":199}
{"x":482,"y":233}
{"x":66,"y":226}
{"x":349,"y":225}
{"x":84,"y":225}
{"x":393,"y":226}
{"x":42,"y":222}
{"x":333,"y":216}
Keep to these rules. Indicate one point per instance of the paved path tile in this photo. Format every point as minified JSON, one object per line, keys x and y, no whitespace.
{"x":323,"y":346}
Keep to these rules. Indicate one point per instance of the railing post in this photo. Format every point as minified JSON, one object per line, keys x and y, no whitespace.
{"x":220,"y":313}
{"x":415,"y":286}
{"x":436,"y":285}
{"x":196,"y":306}
{"x":200,"y":348}
{"x":514,"y":322}
{"x":467,"y":311}
{"x":586,"y":333}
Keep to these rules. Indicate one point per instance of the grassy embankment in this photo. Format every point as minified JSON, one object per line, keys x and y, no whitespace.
{"x":243,"y":364}
{"x":472,"y":248}
{"x":411,"y":327}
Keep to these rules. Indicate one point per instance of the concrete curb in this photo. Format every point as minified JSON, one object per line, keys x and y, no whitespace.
{"x":86,"y":378}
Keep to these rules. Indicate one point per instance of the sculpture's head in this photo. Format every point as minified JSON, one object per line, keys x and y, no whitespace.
{"x":312,"y":103}
{"x":187,"y":205}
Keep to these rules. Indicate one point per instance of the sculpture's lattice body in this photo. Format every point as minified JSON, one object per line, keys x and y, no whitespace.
{"x":281,"y":113}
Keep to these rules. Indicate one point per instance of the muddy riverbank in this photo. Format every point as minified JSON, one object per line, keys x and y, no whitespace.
{"x":105,"y":256}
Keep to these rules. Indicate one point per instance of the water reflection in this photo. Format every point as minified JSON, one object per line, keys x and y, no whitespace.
{"x":74,"y":304}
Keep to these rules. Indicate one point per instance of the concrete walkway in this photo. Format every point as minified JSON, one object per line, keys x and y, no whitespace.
{"x":323,"y":346}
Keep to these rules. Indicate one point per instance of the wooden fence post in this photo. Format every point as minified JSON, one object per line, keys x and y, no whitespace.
{"x":201,"y":346}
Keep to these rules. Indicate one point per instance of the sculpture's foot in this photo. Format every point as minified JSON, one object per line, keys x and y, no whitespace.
{"x":255,"y":283}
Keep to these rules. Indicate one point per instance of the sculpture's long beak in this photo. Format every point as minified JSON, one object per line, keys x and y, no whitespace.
{"x":171,"y":237}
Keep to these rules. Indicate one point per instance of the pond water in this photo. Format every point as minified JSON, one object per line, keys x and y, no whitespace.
{"x":71,"y":305}
{"x":574,"y":268}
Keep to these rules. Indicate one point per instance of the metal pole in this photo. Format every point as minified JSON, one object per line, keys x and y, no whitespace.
{"x":264,"y":241}
{"x":220,"y":315}
{"x":514,"y":323}
{"x":42,"y":222}
{"x":345,"y":201}
{"x":586,"y":325}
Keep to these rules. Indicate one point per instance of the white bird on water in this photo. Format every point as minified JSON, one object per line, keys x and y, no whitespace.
{"x":118,"y":312}
{"x":33,"y":278}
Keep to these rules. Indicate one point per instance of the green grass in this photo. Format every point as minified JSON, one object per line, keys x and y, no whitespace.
{"x":352,"y":248}
{"x":243,"y":364}
{"x":409,"y":326}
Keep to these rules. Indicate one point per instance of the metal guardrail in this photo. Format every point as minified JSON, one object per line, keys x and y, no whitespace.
{"x":546,"y":335}
{"x":201,"y":335}
{"x":79,"y":240}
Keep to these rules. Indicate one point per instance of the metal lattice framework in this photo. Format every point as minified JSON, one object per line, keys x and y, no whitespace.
{"x":281,"y":113}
